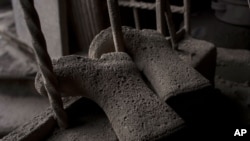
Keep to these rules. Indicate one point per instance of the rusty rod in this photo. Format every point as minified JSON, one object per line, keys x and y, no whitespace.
{"x":44,"y":61}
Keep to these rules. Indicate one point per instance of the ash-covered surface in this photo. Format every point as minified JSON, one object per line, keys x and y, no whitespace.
{"x":200,"y":54}
{"x":115,"y":84}
{"x":16,"y":110}
{"x":234,"y":65}
{"x":19,"y":102}
{"x":233,"y":77}
{"x":152,"y":54}
{"x":87,"y":122}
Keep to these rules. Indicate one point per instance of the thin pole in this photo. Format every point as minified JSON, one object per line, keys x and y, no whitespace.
{"x":136,"y":17}
{"x":187,"y":15}
{"x":170,"y":24}
{"x":160,"y":18}
{"x":44,"y":62}
{"x":115,"y":21}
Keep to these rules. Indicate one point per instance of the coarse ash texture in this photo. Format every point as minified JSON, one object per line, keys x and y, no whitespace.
{"x":115,"y":84}
{"x":152,"y":54}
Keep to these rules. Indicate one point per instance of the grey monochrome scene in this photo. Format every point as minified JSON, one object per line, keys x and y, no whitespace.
{"x":124,"y":70}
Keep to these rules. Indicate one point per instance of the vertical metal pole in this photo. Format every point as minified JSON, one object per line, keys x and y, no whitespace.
{"x":170,"y":24}
{"x":136,"y":17}
{"x":115,"y":21}
{"x":187,"y":15}
{"x":160,"y":18}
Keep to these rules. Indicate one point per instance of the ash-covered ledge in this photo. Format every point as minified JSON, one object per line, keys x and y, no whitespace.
{"x":39,"y":127}
{"x":151,"y":52}
{"x":114,"y":83}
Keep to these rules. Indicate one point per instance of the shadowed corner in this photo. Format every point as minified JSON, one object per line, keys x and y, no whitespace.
{"x":207,"y":113}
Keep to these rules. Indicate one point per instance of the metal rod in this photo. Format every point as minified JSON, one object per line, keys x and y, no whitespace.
{"x":136,"y":17}
{"x":179,"y":35}
{"x":177,"y":9}
{"x":148,"y":6}
{"x":115,"y":21}
{"x":160,"y":17}
{"x":170,"y":23}
{"x":44,"y":62}
{"x":187,"y":15}
{"x":138,"y":5}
